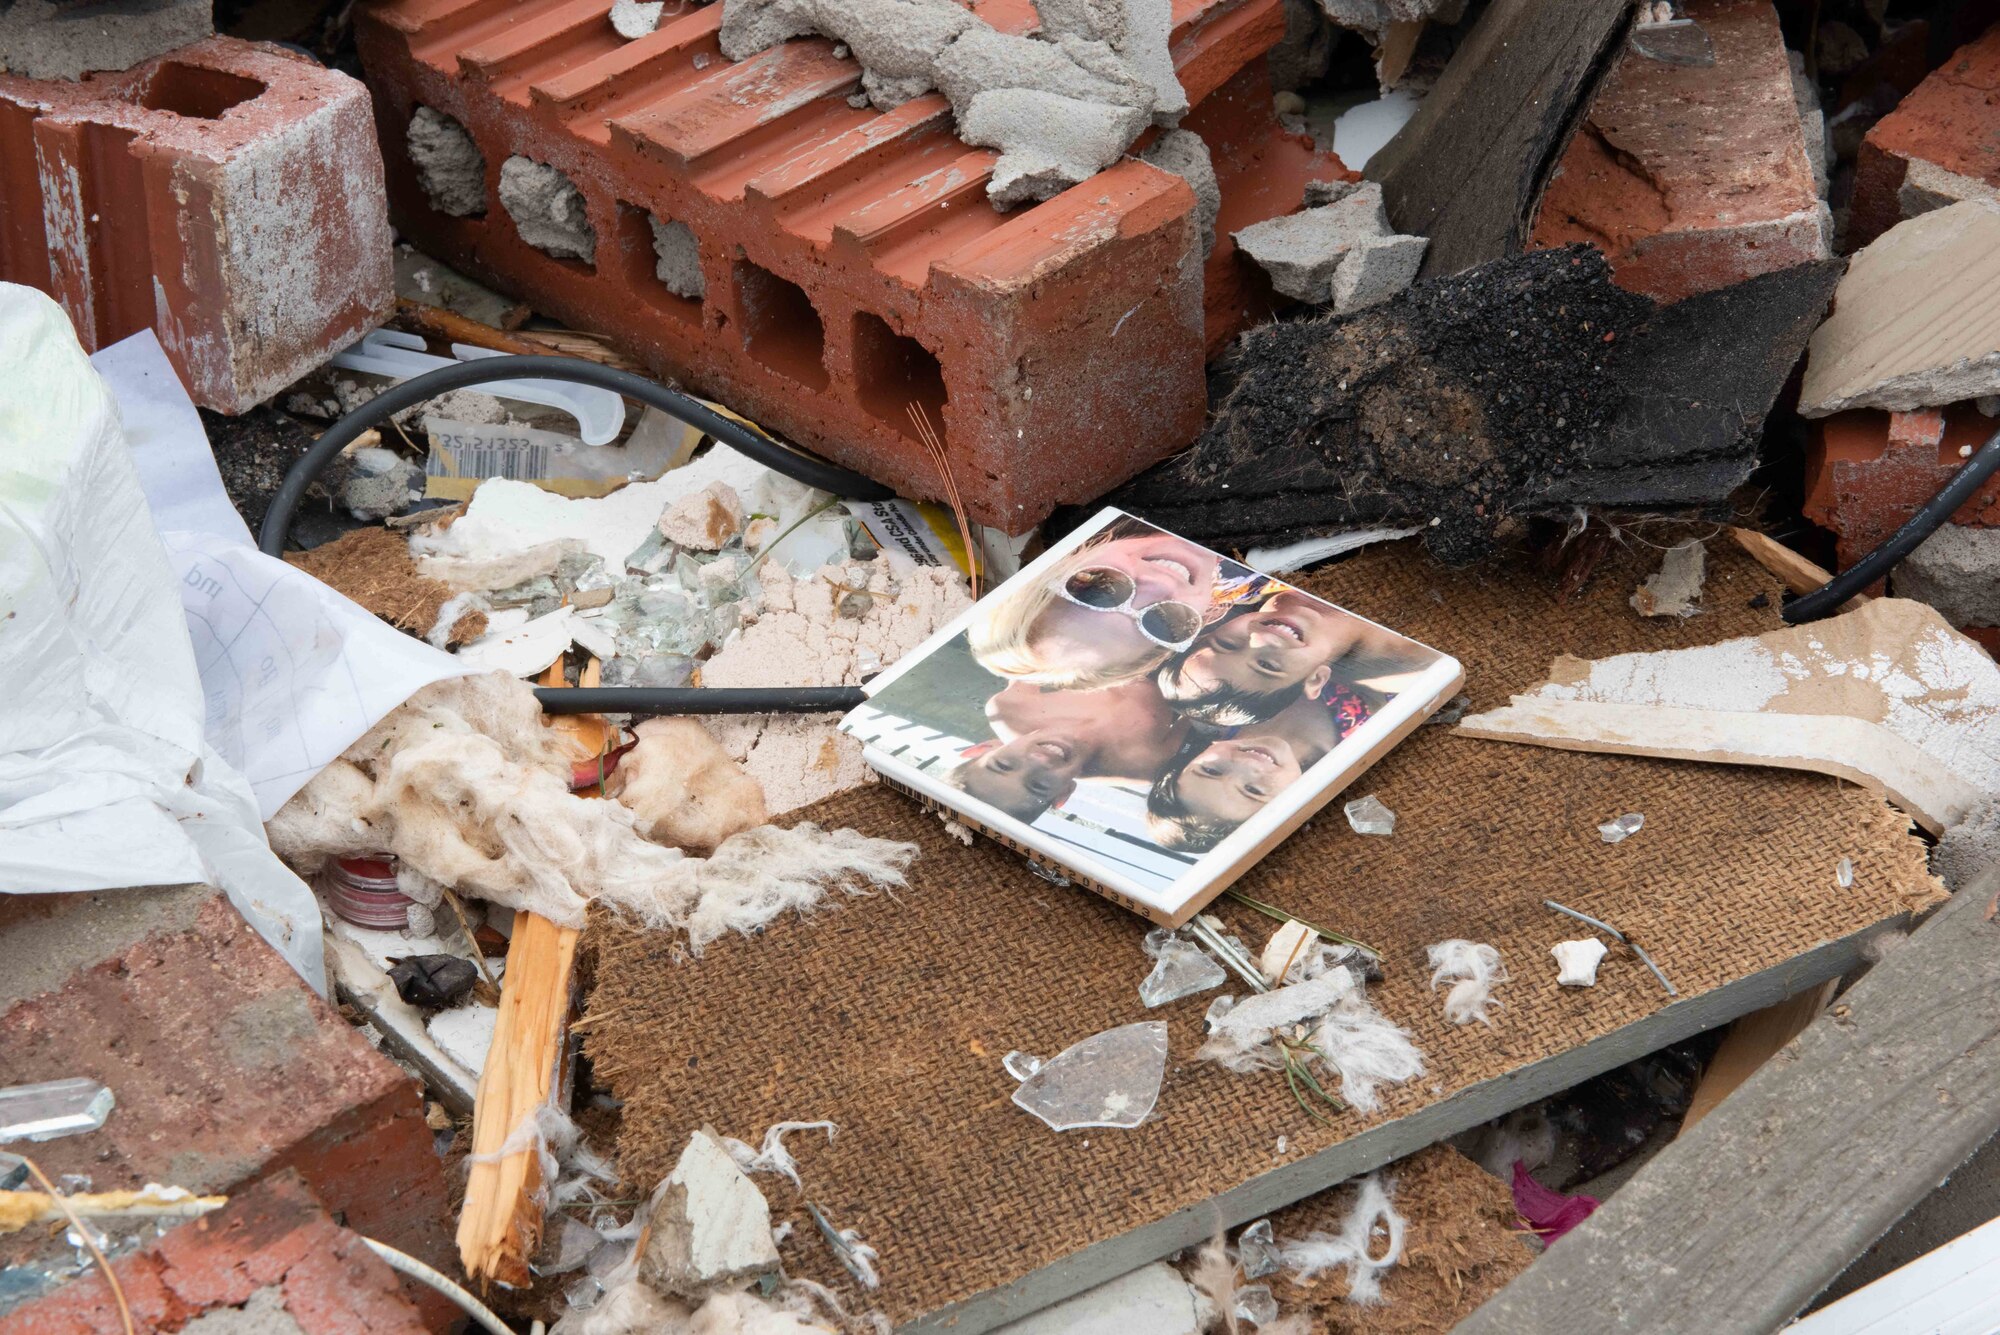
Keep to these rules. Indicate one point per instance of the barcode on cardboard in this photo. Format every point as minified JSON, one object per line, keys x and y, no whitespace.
{"x":479,"y":451}
{"x":520,"y":463}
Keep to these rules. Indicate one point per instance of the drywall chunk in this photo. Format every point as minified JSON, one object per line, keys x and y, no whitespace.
{"x":1304,"y":252}
{"x":683,"y":788}
{"x":1957,"y":571}
{"x":705,"y":520}
{"x":710,"y":1225}
{"x":1674,"y":590}
{"x":677,"y":259}
{"x":449,"y":165}
{"x":1183,"y":153}
{"x":635,"y":18}
{"x":1047,"y":142}
{"x":1887,"y":695}
{"x":548,"y":209}
{"x":1916,"y":320}
{"x":1576,"y":961}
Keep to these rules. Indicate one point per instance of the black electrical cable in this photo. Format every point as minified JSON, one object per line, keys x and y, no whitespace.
{"x":699,"y":699}
{"x":1926,"y":521}
{"x":604,"y":699}
{"x":813,"y":472}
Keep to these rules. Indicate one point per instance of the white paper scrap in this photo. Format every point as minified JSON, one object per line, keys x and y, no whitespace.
{"x":292,"y":673}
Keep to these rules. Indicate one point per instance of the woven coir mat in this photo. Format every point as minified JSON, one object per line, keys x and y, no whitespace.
{"x":890,"y":1015}
{"x":1462,"y":1242}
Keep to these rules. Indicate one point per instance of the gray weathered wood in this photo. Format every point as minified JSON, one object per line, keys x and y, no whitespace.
{"x":1740,"y":1222}
{"x":1385,"y":1142}
{"x":1469,"y":168}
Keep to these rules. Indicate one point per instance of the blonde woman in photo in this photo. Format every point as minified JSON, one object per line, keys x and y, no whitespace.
{"x":1112,"y":611}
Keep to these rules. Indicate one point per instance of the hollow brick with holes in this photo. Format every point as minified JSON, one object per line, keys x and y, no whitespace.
{"x":227,"y":195}
{"x":851,"y":266}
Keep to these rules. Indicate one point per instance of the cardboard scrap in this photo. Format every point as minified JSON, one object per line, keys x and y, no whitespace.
{"x":1887,"y":695}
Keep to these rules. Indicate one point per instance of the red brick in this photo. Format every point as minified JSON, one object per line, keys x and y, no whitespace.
{"x":225,"y":1066}
{"x":1867,"y":472}
{"x":1262,"y":171}
{"x":273,"y":1235}
{"x":228,"y":195}
{"x":1941,"y":144}
{"x":851,"y":260}
{"x":1690,"y":178}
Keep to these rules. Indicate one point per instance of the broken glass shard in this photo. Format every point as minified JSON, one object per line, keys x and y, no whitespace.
{"x":568,"y":1248}
{"x":53,"y":1108}
{"x":1618,"y":831}
{"x":1180,"y":969}
{"x":1257,"y":1249}
{"x":1368,"y":816}
{"x":1109,"y":1079}
{"x":1843,"y":872}
{"x":1218,"y":1008}
{"x":1020,"y":1064}
{"x":653,"y":554}
{"x":1255,"y":1304}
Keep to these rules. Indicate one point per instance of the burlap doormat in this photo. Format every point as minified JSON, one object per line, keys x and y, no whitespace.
{"x":890,"y":1016}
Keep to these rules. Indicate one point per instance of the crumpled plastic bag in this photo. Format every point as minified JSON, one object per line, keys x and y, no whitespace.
{"x":106,"y":777}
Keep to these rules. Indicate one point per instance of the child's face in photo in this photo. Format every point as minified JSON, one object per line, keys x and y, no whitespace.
{"x":1161,"y":568}
{"x":1027,"y":776}
{"x":1289,"y":641}
{"x":1232,"y":779}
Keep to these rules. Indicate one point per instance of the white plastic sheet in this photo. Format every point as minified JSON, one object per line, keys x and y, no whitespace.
{"x":142,"y":675}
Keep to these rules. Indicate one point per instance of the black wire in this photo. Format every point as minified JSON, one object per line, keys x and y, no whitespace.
{"x":1926,"y":521}
{"x":803,"y":467}
{"x":699,"y":699}
{"x":602,"y":699}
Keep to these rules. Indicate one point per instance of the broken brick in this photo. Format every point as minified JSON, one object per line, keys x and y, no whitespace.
{"x":271,"y":1254}
{"x":228,"y":196}
{"x":226,"y":1067}
{"x":1690,"y":177}
{"x":848,"y":262}
{"x":1867,"y":472}
{"x":1939,"y":146}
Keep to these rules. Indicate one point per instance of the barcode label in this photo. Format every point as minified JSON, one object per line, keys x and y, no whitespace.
{"x":491,"y":452}
{"x":520,"y":463}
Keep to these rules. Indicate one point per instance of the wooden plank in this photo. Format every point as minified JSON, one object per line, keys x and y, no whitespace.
{"x":1799,"y":574}
{"x":1750,"y":1042}
{"x":1469,"y":168}
{"x":1737,"y":1224}
{"x":501,"y":1223}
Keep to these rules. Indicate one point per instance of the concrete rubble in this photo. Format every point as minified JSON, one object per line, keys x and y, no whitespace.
{"x":1680,"y":313}
{"x":710,"y":1224}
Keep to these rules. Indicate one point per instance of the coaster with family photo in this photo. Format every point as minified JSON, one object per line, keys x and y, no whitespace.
{"x":1145,"y":717}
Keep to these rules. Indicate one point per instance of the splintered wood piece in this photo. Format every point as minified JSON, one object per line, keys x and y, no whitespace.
{"x":1750,"y":1042}
{"x":1469,"y":168}
{"x":1799,"y":574}
{"x":501,"y":1223}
